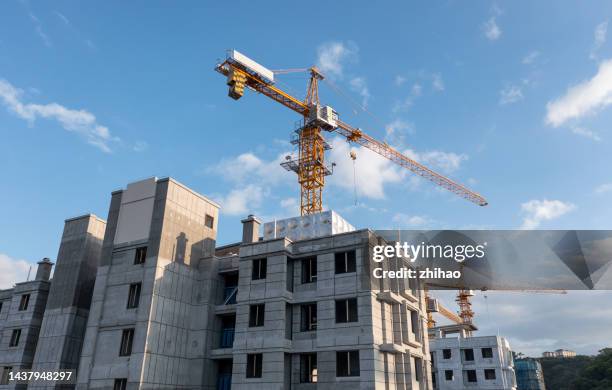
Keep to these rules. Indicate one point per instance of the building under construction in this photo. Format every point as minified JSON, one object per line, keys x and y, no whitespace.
{"x":292,"y":307}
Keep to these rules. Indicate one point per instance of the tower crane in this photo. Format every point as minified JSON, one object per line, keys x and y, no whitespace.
{"x":242,"y":72}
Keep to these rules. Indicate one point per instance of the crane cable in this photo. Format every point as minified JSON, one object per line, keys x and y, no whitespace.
{"x":353,"y":155}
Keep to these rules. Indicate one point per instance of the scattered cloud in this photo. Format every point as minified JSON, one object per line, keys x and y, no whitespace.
{"x":531,"y":57}
{"x":358,"y":84}
{"x":39,"y":30}
{"x":332,"y":56}
{"x":415,"y":91}
{"x":249,"y":167}
{"x":140,"y":146}
{"x":400,"y":80}
{"x":81,"y":122}
{"x":537,"y":211}
{"x":437,"y":83}
{"x":447,"y":162}
{"x":242,"y":201}
{"x":412,"y":221}
{"x":491,"y":30}
{"x":510,"y":94}
{"x":290,"y":206}
{"x":396,"y":131}
{"x":583,"y":99}
{"x":604,"y":188}
{"x":74,"y":30}
{"x":581,"y":131}
{"x":374,"y":171}
{"x":601,"y":31}
{"x":12,"y":270}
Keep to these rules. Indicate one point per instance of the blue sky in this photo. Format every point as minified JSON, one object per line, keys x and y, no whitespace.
{"x":509,"y":98}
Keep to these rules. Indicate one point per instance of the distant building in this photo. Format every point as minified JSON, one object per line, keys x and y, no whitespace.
{"x":529,"y":374}
{"x":463,"y":362}
{"x":559,"y":353}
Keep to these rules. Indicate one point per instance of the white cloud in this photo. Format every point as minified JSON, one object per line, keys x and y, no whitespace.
{"x":395,"y":132}
{"x":290,"y":206}
{"x":491,"y":29}
{"x":13,"y":270}
{"x":604,"y":188}
{"x":510,"y":94}
{"x":531,"y":57}
{"x":437,"y":82}
{"x":447,"y":162}
{"x":242,"y":201}
{"x":39,"y":30}
{"x":400,"y":80}
{"x":358,"y":84}
{"x":415,"y":91}
{"x":332,"y":57}
{"x":582,"y":99}
{"x":581,"y":131}
{"x":140,"y":146}
{"x":411,"y":220}
{"x":599,"y":38}
{"x":249,"y":167}
{"x":81,"y":122}
{"x":537,"y":211}
{"x":373,"y":170}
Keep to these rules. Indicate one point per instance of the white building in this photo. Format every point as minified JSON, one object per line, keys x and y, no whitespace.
{"x":460,"y":362}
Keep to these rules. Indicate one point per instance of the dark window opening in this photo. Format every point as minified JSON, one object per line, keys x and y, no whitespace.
{"x":446,"y":353}
{"x":254,"y":365}
{"x":1,"y":307}
{"x":15,"y":336}
{"x":487,"y":353}
{"x":134,"y":295}
{"x":257,"y":315}
{"x":309,"y":270}
{"x":120,"y":384}
{"x":140,"y":255}
{"x":6,"y":371}
{"x":259,"y":269}
{"x":228,"y":325}
{"x":490,"y":374}
{"x":345,"y":262}
{"x":23,"y":303}
{"x":346,"y":310}
{"x":308,"y":368}
{"x":471,"y":376}
{"x":448,"y":375}
{"x":418,"y":367}
{"x":127,"y":338}
{"x":209,"y":221}
{"x":468,"y":354}
{"x":309,"y":317}
{"x":347,"y":363}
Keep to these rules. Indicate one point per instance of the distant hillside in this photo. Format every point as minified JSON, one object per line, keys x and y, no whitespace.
{"x":579,"y":373}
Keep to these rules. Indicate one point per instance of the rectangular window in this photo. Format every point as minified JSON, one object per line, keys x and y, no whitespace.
{"x":254,"y":365}
{"x":257,"y":315}
{"x":471,"y":376}
{"x":23,"y":303}
{"x":259,"y":269}
{"x":347,"y":363}
{"x":468,"y":355}
{"x":345,"y":262}
{"x":5,"y":375}
{"x":309,"y":270}
{"x":308,"y":368}
{"x":134,"y":295}
{"x":487,"y":353}
{"x":209,"y":221}
{"x":15,"y":338}
{"x":1,"y":307}
{"x":446,"y":353}
{"x":120,"y":384}
{"x":127,"y":338}
{"x":140,"y":255}
{"x":418,"y":369}
{"x":309,"y":317}
{"x":490,"y":374}
{"x":346,"y":310}
{"x":448,"y":375}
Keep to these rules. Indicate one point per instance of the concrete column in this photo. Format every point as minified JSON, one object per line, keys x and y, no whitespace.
{"x":43,"y":272}
{"x":250,"y":229}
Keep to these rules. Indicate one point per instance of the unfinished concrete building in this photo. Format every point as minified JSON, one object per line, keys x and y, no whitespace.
{"x":295,"y":309}
{"x":460,"y":361}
